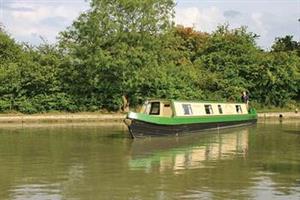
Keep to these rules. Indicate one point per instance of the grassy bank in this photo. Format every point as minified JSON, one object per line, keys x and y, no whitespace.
{"x":275,"y":109}
{"x":293,"y":106}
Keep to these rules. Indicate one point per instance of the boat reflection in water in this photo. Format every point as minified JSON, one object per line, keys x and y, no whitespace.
{"x":188,"y":152}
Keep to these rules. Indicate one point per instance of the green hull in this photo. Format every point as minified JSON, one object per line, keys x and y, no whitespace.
{"x":144,"y":124}
{"x":176,"y":120}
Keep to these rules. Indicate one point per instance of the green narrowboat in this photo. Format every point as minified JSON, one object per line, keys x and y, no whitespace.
{"x":172,"y":117}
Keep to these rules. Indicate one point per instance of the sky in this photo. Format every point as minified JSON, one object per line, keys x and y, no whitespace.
{"x":30,"y":20}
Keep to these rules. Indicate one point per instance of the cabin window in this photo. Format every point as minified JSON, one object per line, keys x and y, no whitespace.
{"x":238,"y":109}
{"x":220,"y":109}
{"x":208,"y":109}
{"x":155,"y":108}
{"x":187,"y":109}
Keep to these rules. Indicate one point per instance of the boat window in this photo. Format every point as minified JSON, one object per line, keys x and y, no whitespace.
{"x":208,"y":109}
{"x":220,"y":109}
{"x":238,"y":109}
{"x":187,"y":109}
{"x":155,"y":108}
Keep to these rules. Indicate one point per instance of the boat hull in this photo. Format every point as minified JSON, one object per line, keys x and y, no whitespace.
{"x":138,"y":128}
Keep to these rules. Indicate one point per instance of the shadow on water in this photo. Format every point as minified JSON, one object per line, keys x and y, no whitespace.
{"x":292,"y":131}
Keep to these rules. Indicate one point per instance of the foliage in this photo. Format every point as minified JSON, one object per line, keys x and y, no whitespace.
{"x":108,"y":45}
{"x":286,"y":44}
{"x":131,"y":48}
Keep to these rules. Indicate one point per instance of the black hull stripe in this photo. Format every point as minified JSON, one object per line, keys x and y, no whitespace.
{"x":141,"y":128}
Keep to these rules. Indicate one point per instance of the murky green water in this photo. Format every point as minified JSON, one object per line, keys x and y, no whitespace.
{"x":100,"y":162}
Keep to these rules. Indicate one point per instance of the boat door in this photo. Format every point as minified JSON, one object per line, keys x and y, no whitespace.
{"x":161,"y":108}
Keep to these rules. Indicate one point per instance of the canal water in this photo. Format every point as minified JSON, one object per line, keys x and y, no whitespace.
{"x":94,"y":161}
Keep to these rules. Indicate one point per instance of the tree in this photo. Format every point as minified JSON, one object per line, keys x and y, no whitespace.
{"x":11,"y":55}
{"x":108,"y":44}
{"x":29,"y":77}
{"x":193,"y":42}
{"x":41,"y":86}
{"x":231,"y":55}
{"x":130,"y":48}
{"x":286,"y":44}
{"x":276,"y":77}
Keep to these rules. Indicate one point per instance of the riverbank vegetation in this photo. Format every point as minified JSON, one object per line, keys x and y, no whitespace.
{"x":129,"y":48}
